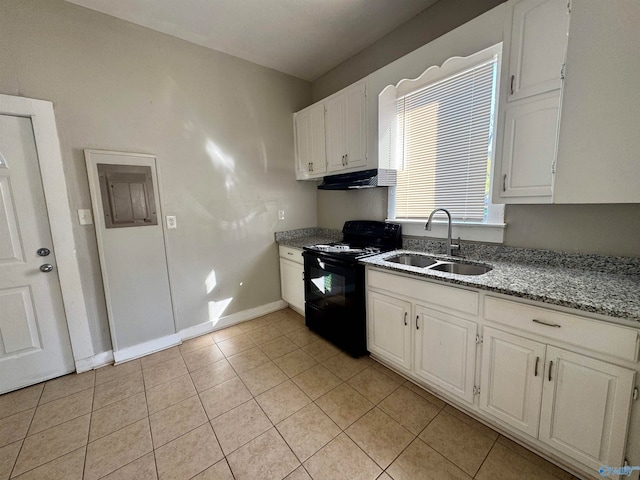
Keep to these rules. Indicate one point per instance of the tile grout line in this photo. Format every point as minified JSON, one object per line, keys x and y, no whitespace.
{"x":86,"y":451}
{"x":486,"y":456}
{"x":13,"y":467}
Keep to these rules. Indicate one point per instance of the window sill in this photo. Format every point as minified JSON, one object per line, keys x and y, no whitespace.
{"x":477,"y":232}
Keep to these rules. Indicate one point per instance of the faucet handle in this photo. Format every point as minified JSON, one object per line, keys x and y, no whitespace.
{"x":455,"y":248}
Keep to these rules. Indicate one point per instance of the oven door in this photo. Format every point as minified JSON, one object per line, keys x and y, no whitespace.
{"x":334,"y":301}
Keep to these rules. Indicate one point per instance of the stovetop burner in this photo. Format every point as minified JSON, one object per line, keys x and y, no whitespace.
{"x":345,"y":248}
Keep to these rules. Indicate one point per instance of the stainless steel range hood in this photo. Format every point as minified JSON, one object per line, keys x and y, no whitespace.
{"x":358,"y":180}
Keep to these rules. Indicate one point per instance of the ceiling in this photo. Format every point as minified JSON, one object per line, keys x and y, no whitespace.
{"x":303,"y":38}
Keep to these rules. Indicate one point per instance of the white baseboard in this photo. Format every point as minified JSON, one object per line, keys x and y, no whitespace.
{"x":142,"y":349}
{"x":232,"y":319}
{"x":97,"y":361}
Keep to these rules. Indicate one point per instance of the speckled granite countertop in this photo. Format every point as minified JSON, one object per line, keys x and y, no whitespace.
{"x":305,"y":237}
{"x":604,"y":292}
{"x":591,"y":283}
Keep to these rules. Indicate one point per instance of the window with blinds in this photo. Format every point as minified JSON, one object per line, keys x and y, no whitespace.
{"x":443,"y":135}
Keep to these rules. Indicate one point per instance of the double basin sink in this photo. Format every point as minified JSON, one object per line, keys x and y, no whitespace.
{"x":429,"y":263}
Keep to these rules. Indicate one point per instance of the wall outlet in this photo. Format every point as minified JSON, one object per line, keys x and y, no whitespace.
{"x":280,"y":214}
{"x":171,"y":222}
{"x":85,"y":217}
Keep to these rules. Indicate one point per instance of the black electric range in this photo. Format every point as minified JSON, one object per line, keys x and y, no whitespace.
{"x":334,"y":282}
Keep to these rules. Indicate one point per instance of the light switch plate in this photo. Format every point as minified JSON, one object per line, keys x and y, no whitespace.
{"x":280,"y":214}
{"x":171,"y":222}
{"x":85,"y":217}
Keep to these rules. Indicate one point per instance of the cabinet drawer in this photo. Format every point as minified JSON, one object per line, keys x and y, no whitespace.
{"x":424,"y":291}
{"x":602,"y":337}
{"x":290,"y":253}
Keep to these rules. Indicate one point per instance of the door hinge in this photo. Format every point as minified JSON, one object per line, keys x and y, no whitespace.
{"x":562,"y":71}
{"x":476,"y":391}
{"x":569,"y":6}
{"x":635,"y":393}
{"x":479,"y":339}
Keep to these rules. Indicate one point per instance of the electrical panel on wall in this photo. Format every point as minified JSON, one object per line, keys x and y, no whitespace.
{"x":127,"y":195}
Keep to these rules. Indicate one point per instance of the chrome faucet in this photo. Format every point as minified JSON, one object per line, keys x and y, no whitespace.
{"x":452,"y":248}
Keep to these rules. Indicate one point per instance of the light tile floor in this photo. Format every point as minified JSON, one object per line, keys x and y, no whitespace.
{"x":265,"y":399}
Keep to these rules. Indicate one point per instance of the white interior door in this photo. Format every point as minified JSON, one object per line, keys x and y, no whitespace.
{"x":34,"y":340}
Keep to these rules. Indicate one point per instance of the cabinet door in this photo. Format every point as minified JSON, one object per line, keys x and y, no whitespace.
{"x":335,"y":125}
{"x":538,"y":47}
{"x":445,"y":351}
{"x":310,"y":143}
{"x":292,"y":283}
{"x":529,"y":147}
{"x":355,"y":126}
{"x":511,"y":379}
{"x":389,"y":329}
{"x":585,"y":408}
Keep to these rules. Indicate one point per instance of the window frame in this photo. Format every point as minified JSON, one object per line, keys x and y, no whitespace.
{"x":493,"y":229}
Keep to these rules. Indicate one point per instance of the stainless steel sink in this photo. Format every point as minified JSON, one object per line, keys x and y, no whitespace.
{"x":461,"y":268}
{"x":413,"y":260}
{"x":429,"y":263}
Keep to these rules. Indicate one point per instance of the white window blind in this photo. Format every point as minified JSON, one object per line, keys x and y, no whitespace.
{"x":444,"y":134}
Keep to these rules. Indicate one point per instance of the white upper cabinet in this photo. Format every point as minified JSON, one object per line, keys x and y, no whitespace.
{"x":538,"y":46}
{"x":332,"y":132}
{"x":355,"y":139}
{"x":568,"y":118}
{"x":529,"y":147}
{"x":535,"y":42}
{"x":311,"y":160}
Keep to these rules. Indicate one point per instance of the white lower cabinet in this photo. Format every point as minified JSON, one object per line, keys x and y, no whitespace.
{"x":530,"y":377}
{"x":389,"y":329}
{"x":576,"y":404}
{"x":511,"y":379}
{"x":425,"y":343}
{"x":445,"y":353}
{"x":585,"y":408}
{"x":292,"y":277}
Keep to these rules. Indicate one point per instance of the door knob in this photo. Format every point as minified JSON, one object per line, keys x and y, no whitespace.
{"x":47,"y":267}
{"x":43,"y":252}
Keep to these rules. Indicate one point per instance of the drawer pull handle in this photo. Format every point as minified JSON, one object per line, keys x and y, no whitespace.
{"x":550,"y":367}
{"x":513,"y":77}
{"x":546,"y":323}
{"x":535,"y":373}
{"x":405,"y":319}
{"x":289,"y":253}
{"x":417,"y":326}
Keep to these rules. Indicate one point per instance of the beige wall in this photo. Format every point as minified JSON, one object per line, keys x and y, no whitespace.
{"x":435,"y":21}
{"x":337,"y":206}
{"x":605,"y":229}
{"x":220,"y":126}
